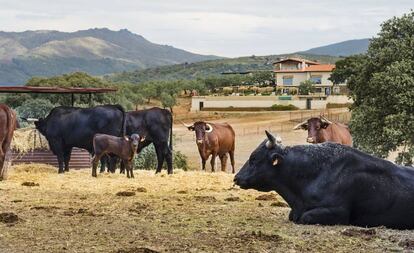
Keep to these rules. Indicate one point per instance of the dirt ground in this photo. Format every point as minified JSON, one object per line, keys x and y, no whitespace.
{"x":42,"y":211}
{"x":249,"y":129}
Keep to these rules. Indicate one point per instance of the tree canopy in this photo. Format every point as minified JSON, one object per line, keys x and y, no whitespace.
{"x":306,"y":87}
{"x":381,"y":83}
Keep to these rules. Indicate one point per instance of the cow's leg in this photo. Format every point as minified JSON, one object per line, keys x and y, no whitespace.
{"x":95,"y":162}
{"x":128,"y":172}
{"x":103,"y":160}
{"x":169,"y":160}
{"x":2,"y":158}
{"x":113,"y":160}
{"x":203,"y":164}
{"x":213,"y":161}
{"x":223,"y":161}
{"x":159,"y":149}
{"x":122,"y":170}
{"x":231,"y":153}
{"x":325,"y":216}
{"x":131,"y":169}
{"x":57,"y":147}
{"x":67,"y":155}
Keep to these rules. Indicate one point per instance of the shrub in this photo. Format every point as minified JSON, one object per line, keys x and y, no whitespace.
{"x":147,"y":159}
{"x":336,"y":105}
{"x":34,"y":108}
{"x":306,"y":87}
{"x":289,"y":107}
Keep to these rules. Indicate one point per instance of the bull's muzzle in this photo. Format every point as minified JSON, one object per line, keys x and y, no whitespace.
{"x":310,"y":140}
{"x":200,"y":141}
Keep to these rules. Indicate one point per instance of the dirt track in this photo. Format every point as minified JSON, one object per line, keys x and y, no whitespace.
{"x":249,"y":129}
{"x":185,"y":212}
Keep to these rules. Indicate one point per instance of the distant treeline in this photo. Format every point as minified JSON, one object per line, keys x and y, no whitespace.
{"x":129,"y":95}
{"x":205,"y":69}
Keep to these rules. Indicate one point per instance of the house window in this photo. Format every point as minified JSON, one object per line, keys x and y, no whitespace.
{"x":316,"y":79}
{"x":287,"y":80}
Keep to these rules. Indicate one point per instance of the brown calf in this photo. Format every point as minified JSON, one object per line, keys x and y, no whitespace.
{"x":8,"y":123}
{"x":322,"y":130}
{"x":123,"y":147}
{"x":214,"y":139}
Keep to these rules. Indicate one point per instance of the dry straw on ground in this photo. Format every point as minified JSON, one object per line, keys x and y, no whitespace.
{"x":28,"y":139}
{"x":185,"y":212}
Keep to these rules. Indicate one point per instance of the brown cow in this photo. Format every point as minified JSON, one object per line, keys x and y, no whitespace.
{"x":123,"y":147}
{"x":322,"y":130}
{"x":8,"y":123}
{"x":215,"y":140}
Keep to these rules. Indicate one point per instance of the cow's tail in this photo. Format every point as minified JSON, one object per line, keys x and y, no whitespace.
{"x":171,"y":130}
{"x":11,"y":123}
{"x":123,"y":127}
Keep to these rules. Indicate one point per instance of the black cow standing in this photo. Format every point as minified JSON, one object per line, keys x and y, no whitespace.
{"x":155,"y":125}
{"x":332,"y":184}
{"x":69,"y":127}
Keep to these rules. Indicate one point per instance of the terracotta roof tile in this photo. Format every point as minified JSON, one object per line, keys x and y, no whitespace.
{"x":321,"y":67}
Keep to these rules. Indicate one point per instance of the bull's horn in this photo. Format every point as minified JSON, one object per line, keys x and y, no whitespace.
{"x":143,"y":139}
{"x":299,"y":126}
{"x":326,"y":120}
{"x":209,"y":128}
{"x":186,"y":125}
{"x":29,"y":119}
{"x":272,"y":140}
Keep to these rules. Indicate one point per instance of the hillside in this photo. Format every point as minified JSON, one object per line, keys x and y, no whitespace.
{"x":209,"y":68}
{"x":95,"y":51}
{"x":344,"y":48}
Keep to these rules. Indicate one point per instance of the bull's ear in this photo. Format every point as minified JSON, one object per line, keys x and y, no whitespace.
{"x":277,"y":159}
{"x":191,"y":128}
{"x":324,"y":125}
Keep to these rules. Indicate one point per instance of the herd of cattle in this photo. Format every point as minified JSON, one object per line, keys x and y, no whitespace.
{"x":329,"y":183}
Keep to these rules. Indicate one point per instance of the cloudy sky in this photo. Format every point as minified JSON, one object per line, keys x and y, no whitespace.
{"x":220,"y":27}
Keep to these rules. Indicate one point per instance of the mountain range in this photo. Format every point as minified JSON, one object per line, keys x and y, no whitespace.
{"x":344,"y":48}
{"x":103,"y":51}
{"x":95,"y":51}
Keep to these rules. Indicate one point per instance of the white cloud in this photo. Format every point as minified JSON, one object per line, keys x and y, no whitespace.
{"x":226,"y":27}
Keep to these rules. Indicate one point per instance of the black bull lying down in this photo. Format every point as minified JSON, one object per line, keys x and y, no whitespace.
{"x":332,"y":184}
{"x":68,"y":127}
